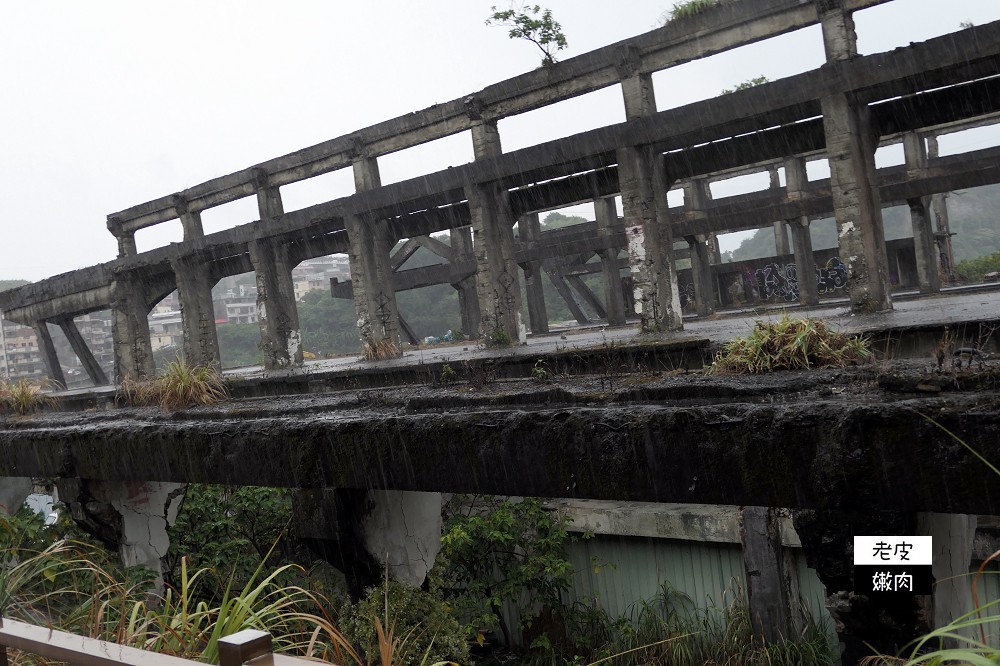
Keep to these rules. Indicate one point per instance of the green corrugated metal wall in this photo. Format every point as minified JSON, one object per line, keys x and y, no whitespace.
{"x":633,"y":569}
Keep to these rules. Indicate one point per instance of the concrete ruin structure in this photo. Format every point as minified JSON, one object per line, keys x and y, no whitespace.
{"x":841,"y":112}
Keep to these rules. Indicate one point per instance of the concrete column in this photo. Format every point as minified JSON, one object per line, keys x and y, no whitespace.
{"x":468,"y":297}
{"x":49,"y":356}
{"x":796,"y":181}
{"x":277,"y":315}
{"x":701,"y":275}
{"x":939,"y":206}
{"x":497,"y":280}
{"x":130,"y":516}
{"x":126,"y":245}
{"x":194,"y":290}
{"x":82,"y":351}
{"x":268,"y":197}
{"x":928,"y":276}
{"x":538,"y":318}
{"x":805,"y":265}
{"x":13,"y":491}
{"x":953,"y":535}
{"x":371,"y":278}
{"x":607,"y":224}
{"x":130,"y":329}
{"x":781,"y":245}
{"x":768,"y":591}
{"x":190,"y":219}
{"x":850,"y":145}
{"x":923,"y":245}
{"x":643,"y":184}
{"x":371,"y":271}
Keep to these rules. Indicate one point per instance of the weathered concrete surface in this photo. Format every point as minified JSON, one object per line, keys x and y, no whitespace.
{"x":822,"y":440}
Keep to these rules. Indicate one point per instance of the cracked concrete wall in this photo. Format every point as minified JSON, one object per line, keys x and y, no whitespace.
{"x":404,"y":529}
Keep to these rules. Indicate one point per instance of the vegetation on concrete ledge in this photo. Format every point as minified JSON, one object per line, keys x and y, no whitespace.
{"x":790,"y":344}
{"x":688,"y":8}
{"x":181,"y":385}
{"x":379,"y":350}
{"x":21,"y":397}
{"x":751,"y":83}
{"x":534,"y":24}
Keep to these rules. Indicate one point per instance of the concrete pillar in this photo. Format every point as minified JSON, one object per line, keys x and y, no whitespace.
{"x":497,"y":280}
{"x":607,"y":224}
{"x":781,"y":246}
{"x":805,"y":265}
{"x":530,"y":233}
{"x":371,"y":278}
{"x":190,"y":219}
{"x":768,"y":591}
{"x":701,"y":275}
{"x":126,"y":245}
{"x":49,"y":356}
{"x":923,"y":245}
{"x":928,"y":277}
{"x":131,"y":516}
{"x":468,"y":297}
{"x":796,"y":181}
{"x":82,"y":351}
{"x":850,"y":145}
{"x":277,"y":315}
{"x":13,"y":491}
{"x":269,"y":203}
{"x":194,"y":290}
{"x":643,"y":184}
{"x":953,"y":535}
{"x":130,"y":329}
{"x":939,"y":206}
{"x":371,"y":271}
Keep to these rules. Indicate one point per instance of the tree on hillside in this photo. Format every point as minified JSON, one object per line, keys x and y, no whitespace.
{"x":534,"y":24}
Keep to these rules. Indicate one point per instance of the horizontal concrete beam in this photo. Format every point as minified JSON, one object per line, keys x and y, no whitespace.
{"x":836,"y":454}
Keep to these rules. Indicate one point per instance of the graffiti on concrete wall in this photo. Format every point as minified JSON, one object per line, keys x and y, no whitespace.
{"x":780,"y":282}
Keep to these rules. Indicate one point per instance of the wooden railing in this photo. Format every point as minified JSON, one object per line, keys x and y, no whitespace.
{"x":249,"y":646}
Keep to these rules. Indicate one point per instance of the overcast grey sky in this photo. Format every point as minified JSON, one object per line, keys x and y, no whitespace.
{"x":110,"y":103}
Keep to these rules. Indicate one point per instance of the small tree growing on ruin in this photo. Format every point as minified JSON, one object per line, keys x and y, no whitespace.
{"x":534,"y":24}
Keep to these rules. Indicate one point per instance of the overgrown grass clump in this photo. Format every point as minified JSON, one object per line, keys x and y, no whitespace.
{"x":688,"y":8}
{"x":790,"y":344}
{"x":379,"y":350}
{"x":180,"y":385}
{"x":21,"y":397}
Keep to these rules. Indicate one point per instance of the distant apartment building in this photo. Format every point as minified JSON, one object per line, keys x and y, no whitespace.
{"x":21,"y":357}
{"x":315,"y":274}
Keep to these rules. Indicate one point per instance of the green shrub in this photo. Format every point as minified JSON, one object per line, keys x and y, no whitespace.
{"x":420,"y":620}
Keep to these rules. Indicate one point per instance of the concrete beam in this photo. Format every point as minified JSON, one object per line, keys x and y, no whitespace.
{"x":82,"y":351}
{"x":48,"y":352}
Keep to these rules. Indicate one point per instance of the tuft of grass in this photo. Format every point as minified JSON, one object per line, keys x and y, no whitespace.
{"x":689,"y":8}
{"x":22,"y":397}
{"x":790,"y":344}
{"x":179,"y":386}
{"x":378,"y":350}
